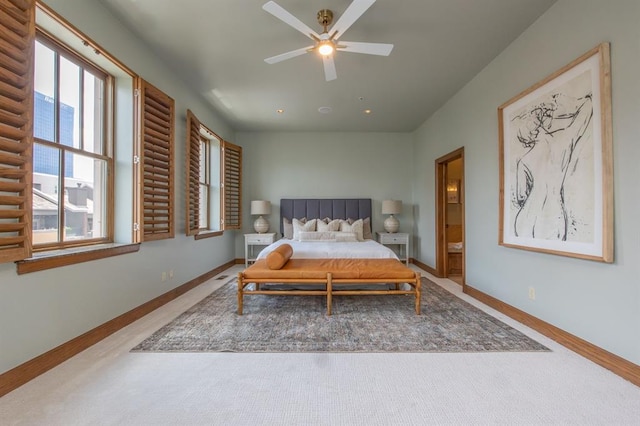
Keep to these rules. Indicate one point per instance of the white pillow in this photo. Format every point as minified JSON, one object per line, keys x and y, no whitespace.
{"x":299,"y":226}
{"x":357,"y":227}
{"x":287,"y":227}
{"x":345,"y":237}
{"x":366,"y":230}
{"x":316,"y":236}
{"x":327,"y":236}
{"x":333,"y":225}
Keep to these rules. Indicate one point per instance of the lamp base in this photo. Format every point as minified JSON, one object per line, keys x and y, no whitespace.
{"x":261,"y":225}
{"x":391,"y":224}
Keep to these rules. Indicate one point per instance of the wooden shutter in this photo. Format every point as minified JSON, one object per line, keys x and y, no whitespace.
{"x":17,"y":35}
{"x":157,"y":163}
{"x":193,"y":174}
{"x":231,"y":186}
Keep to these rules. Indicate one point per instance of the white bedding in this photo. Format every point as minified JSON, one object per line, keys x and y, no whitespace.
{"x":368,"y":249}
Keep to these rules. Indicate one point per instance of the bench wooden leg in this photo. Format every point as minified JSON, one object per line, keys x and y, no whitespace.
{"x":329,"y":289}
{"x":418,"y":292}
{"x":240,"y":292}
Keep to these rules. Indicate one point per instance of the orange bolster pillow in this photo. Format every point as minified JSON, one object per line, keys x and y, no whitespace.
{"x":279,"y":256}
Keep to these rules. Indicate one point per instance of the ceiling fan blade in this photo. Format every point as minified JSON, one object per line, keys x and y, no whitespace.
{"x":288,"y":55}
{"x":329,"y":68}
{"x":381,"y":49}
{"x":353,"y":12}
{"x":276,"y":10}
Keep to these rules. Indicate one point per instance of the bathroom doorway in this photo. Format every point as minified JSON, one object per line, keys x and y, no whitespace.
{"x":450,"y":244}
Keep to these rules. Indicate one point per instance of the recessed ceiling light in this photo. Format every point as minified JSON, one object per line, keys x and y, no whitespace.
{"x":324,"y":110}
{"x":367,"y":111}
{"x":280,"y":111}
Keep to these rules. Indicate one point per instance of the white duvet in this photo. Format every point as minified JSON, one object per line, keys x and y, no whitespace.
{"x":368,"y":249}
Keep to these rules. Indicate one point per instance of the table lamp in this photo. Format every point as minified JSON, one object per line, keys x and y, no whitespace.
{"x":391,"y":207}
{"x":260,"y":207}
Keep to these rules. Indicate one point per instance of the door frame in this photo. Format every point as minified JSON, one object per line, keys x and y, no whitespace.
{"x":441,"y":213}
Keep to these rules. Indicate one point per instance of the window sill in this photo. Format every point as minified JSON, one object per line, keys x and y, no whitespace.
{"x":64,"y":257}
{"x":209,"y":234}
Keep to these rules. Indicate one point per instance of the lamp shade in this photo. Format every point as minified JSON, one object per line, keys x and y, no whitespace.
{"x":391,"y":207}
{"x":259,"y":207}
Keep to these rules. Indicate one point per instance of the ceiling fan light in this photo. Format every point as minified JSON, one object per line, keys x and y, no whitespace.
{"x":325,"y":48}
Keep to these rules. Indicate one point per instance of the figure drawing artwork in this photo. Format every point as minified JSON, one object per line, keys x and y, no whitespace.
{"x":556,"y":163}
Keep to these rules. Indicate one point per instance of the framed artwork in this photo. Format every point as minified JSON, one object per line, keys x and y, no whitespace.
{"x":556,"y":166}
{"x":453,"y":191}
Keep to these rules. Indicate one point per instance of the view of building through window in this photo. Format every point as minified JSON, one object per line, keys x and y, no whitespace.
{"x":69,"y":165}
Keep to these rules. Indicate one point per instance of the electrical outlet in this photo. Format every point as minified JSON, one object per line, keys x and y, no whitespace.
{"x":164,"y":276}
{"x":170,"y":274}
{"x":532,"y":293}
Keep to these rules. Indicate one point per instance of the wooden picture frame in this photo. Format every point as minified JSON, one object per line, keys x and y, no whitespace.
{"x":556,"y":164}
{"x":453,"y":191}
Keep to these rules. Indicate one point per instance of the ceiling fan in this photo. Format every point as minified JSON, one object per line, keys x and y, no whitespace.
{"x":327,"y":43}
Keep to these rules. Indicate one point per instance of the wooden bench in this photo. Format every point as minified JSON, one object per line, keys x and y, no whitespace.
{"x":329,"y":272}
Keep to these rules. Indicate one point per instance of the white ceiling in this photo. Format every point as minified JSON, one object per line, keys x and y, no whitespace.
{"x":220,"y":45}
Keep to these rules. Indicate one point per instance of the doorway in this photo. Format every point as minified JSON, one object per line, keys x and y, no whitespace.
{"x":450,"y":223}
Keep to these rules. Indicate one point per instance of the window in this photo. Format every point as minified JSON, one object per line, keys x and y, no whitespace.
{"x":213,"y":181}
{"x":59,"y":121}
{"x":203,"y":180}
{"x":71,"y":150}
{"x":66,"y":103}
{"x":209,"y":181}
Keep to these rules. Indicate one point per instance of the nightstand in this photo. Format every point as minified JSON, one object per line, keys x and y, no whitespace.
{"x":398,"y":239}
{"x":251,"y":241}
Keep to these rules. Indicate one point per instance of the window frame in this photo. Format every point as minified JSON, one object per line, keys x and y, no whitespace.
{"x":107,"y":148}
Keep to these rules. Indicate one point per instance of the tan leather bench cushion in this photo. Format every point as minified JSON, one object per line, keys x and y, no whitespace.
{"x":339,"y":268}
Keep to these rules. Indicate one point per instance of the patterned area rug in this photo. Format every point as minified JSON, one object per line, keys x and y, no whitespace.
{"x":358,"y":324}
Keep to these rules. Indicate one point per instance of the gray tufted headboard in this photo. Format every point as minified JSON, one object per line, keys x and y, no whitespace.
{"x":319,"y":208}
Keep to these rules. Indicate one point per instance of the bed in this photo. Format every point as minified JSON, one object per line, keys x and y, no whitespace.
{"x":328,"y":249}
{"x":329,"y":266}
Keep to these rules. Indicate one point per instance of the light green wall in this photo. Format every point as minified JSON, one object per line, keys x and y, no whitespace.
{"x":326,"y":165}
{"x":42,"y":310}
{"x":595,"y":301}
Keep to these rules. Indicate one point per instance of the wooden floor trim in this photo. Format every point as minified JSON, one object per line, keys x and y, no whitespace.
{"x":620,"y":366}
{"x":31,"y":369}
{"x":425,"y":267}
